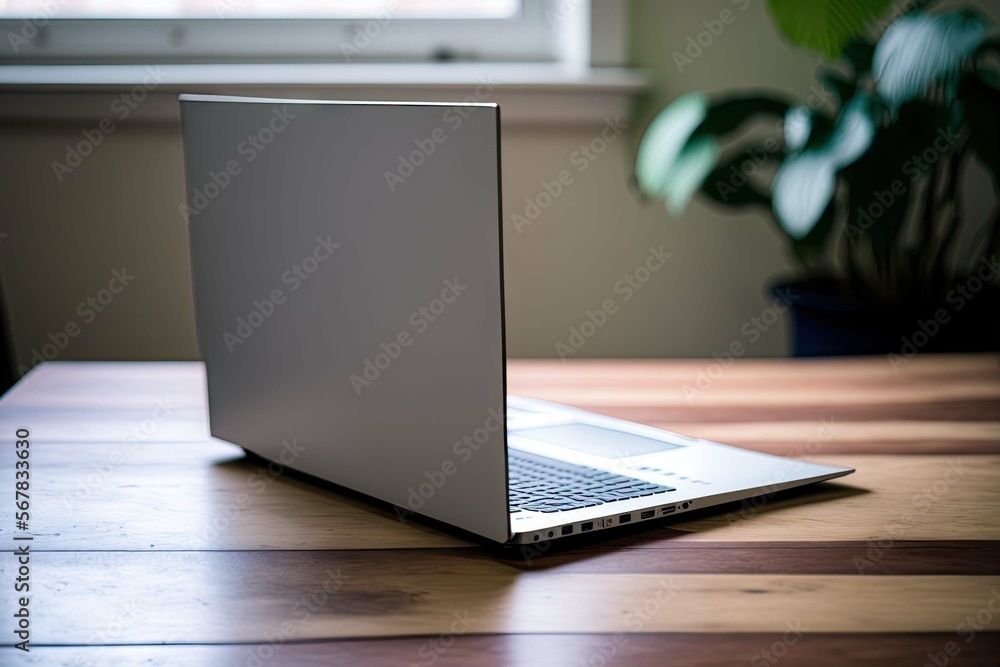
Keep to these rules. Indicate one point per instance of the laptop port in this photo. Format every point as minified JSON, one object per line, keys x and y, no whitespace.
{"x":669,"y":510}
{"x":585,"y":526}
{"x":624,"y":518}
{"x":567,"y":530}
{"x":648,"y":514}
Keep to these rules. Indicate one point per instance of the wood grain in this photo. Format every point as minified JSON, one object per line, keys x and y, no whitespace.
{"x":237,"y":597}
{"x":148,"y":532}
{"x":637,"y":650}
{"x":209,"y":496}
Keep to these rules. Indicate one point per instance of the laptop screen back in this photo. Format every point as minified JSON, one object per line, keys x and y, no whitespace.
{"x":346,"y":263}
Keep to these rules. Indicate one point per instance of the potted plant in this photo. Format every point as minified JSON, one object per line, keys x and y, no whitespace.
{"x":868,"y":196}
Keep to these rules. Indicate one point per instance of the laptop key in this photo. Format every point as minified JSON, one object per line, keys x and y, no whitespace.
{"x":546,"y":485}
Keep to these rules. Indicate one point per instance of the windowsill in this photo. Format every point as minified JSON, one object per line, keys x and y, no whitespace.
{"x":527,"y":93}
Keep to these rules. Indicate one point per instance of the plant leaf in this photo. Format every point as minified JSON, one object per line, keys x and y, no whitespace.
{"x":844,"y":88}
{"x":805,"y":183}
{"x":919,"y":49}
{"x":824,"y":26}
{"x":730,"y":113}
{"x":853,"y":132}
{"x":730,"y":184}
{"x":665,"y":139}
{"x":692,"y":166}
{"x":802,"y":190}
{"x":813,"y":243}
{"x":798,"y":126}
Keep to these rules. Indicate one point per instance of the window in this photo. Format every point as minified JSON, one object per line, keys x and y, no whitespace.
{"x":109,"y":31}
{"x":343,"y":9}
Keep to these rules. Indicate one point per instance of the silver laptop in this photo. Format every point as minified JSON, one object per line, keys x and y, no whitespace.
{"x":348,"y":276}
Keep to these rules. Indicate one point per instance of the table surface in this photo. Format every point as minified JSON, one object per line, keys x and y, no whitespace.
{"x":155,"y":544}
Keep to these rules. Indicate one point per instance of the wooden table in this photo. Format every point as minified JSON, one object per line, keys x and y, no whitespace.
{"x":153,"y":543}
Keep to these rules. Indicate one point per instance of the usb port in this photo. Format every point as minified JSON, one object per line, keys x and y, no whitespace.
{"x":624,"y":518}
{"x":567,"y":530}
{"x":587,"y":525}
{"x":669,"y":510}
{"x":648,"y":514}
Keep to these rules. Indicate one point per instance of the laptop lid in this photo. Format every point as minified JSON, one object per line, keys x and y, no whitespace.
{"x":347,"y":270}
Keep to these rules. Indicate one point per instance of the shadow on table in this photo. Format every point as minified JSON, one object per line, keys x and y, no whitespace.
{"x":649,"y":535}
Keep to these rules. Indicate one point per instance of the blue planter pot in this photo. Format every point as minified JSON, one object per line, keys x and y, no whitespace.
{"x":828,"y":323}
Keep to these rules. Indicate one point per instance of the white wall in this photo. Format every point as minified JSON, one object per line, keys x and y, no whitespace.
{"x":121,"y":210}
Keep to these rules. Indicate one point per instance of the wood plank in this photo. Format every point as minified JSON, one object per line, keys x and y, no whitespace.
{"x":835,"y":436}
{"x":822,"y":371}
{"x":108,"y":401}
{"x":194,"y":496}
{"x":209,"y":496}
{"x":889,"y":498}
{"x":228,"y":597}
{"x":589,"y":393}
{"x":638,"y":650}
{"x":674,"y":557}
{"x":955,"y":411}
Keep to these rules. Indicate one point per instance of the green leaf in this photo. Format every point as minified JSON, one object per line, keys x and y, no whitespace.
{"x":813,"y":244}
{"x":797,"y":127}
{"x":691,"y":168}
{"x":919,"y":49}
{"x":680,"y":147}
{"x":728,"y":114}
{"x":853,"y":132}
{"x":802,"y":190}
{"x":730,"y":183}
{"x":824,"y":26}
{"x":805,"y":183}
{"x":844,"y":88}
{"x":665,"y":139}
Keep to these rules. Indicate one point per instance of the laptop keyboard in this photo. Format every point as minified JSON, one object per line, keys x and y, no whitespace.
{"x":542,"y":484}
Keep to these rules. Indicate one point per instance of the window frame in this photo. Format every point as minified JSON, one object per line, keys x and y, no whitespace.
{"x":532,"y":35}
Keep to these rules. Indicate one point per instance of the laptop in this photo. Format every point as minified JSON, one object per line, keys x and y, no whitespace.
{"x":347,"y":262}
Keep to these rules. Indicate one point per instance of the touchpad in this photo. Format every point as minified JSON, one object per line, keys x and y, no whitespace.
{"x":596,"y":440}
